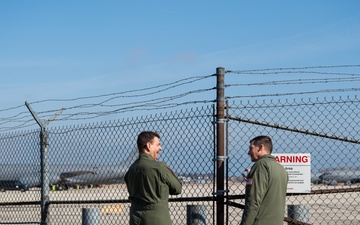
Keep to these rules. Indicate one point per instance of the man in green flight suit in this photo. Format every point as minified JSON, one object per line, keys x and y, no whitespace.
{"x":266,"y":186}
{"x":149,"y":183}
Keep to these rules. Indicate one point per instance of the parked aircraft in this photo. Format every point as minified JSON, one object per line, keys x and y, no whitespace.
{"x":315,"y":178}
{"x":334,"y":176}
{"x":63,"y":176}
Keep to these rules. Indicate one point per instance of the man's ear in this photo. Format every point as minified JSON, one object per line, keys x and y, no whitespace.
{"x":148,"y":145}
{"x":261,"y":147}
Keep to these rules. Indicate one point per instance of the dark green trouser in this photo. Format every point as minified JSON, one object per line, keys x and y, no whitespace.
{"x":154,"y":214}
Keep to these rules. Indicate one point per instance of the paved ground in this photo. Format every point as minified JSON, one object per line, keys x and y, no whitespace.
{"x":329,"y":209}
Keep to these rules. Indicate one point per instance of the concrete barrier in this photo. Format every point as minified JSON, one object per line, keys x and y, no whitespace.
{"x":196,"y":215}
{"x":90,"y":216}
{"x":298,"y":212}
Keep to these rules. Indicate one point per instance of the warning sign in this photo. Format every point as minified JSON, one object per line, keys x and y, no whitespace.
{"x":298,"y":167}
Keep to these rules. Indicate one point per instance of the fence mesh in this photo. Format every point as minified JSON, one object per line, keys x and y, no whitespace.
{"x":87,"y":162}
{"x":325,"y":128}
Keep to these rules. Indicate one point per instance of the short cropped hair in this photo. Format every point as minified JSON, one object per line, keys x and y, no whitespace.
{"x":145,"y":137}
{"x":265,"y":140}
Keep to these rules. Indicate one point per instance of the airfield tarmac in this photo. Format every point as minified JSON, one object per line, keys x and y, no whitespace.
{"x":330,"y":209}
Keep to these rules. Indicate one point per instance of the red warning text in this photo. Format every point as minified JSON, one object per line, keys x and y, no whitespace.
{"x":292,"y":159}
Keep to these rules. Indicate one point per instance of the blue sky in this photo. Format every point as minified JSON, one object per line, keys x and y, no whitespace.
{"x":69,"y":49}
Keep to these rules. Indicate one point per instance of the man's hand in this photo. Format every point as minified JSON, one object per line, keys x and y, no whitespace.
{"x":247,"y":170}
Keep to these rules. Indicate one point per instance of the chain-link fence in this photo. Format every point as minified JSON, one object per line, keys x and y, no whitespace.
{"x":328,"y":129}
{"x":87,"y":162}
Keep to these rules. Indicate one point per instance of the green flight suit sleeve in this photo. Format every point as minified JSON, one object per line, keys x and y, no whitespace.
{"x":255,"y":192}
{"x":171,"y":180}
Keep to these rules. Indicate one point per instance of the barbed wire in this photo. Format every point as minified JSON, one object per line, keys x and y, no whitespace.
{"x":142,"y":105}
{"x":147,"y":99}
{"x":302,"y":72}
{"x":146,"y":102}
{"x":300,"y":81}
{"x":289,"y":69}
{"x":130,"y":109}
{"x":295,"y":93}
{"x":309,"y":102}
{"x":168,"y":86}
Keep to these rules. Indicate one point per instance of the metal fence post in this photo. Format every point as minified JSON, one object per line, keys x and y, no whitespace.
{"x":44,"y":179}
{"x":220,"y":99}
{"x":44,"y":176}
